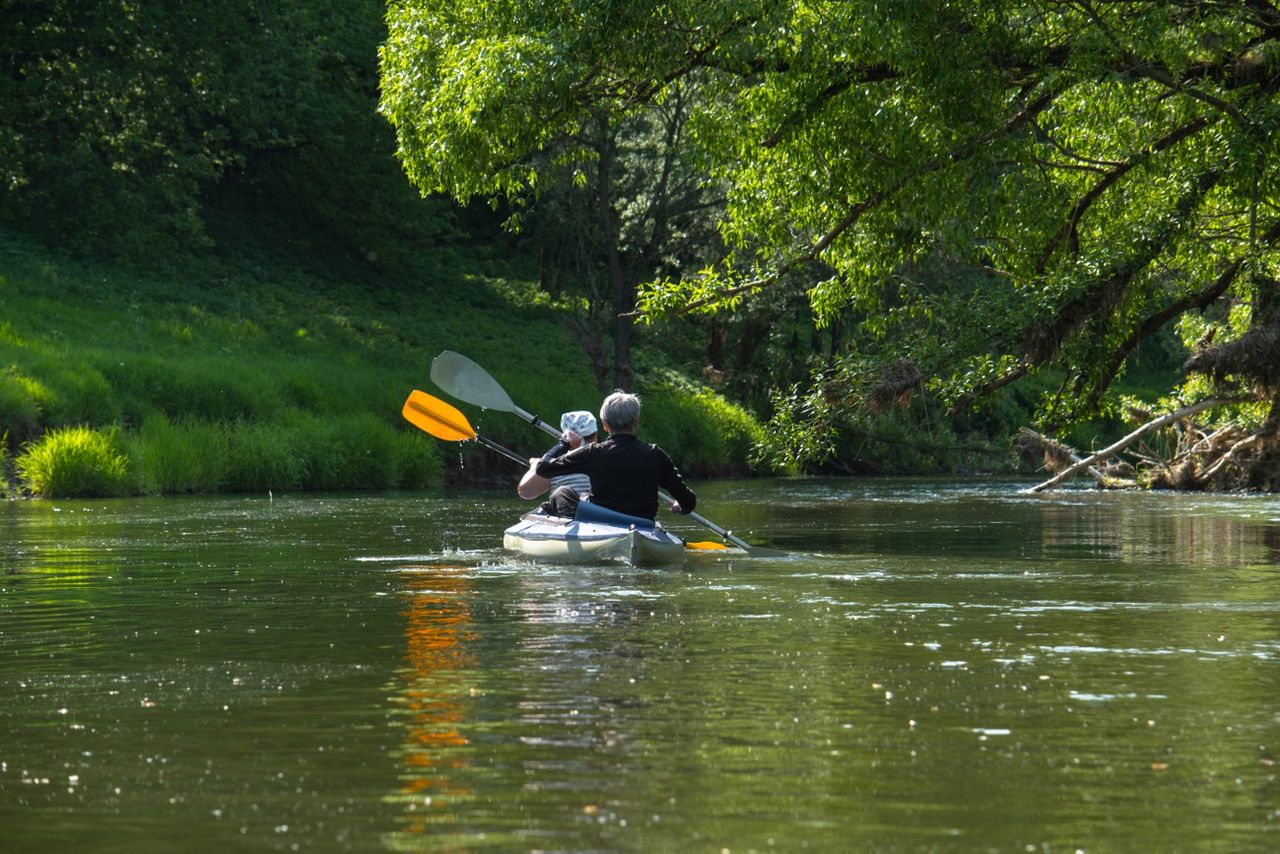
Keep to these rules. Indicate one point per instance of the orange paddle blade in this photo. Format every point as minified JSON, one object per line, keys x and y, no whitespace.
{"x":437,"y":417}
{"x":705,"y":545}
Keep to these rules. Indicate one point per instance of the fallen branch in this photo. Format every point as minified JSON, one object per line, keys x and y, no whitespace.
{"x":1062,"y":449}
{"x":1244,"y":443}
{"x":1209,"y":440}
{"x":1157,"y":423}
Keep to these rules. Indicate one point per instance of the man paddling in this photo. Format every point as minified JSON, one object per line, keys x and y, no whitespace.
{"x":625,"y":472}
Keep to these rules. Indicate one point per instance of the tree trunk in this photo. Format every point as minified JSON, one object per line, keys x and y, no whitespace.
{"x":553,"y":268}
{"x":591,"y":328}
{"x":715,"y":343}
{"x":621,"y":288}
{"x":837,"y":340}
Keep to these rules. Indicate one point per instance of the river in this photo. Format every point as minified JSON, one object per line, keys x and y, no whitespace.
{"x":935,"y":666}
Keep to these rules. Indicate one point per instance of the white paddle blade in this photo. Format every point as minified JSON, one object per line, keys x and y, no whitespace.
{"x":464,"y":379}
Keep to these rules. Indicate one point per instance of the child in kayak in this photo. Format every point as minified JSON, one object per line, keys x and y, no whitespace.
{"x":577,"y":428}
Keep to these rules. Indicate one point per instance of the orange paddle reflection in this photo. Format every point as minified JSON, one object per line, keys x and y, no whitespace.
{"x":435,"y":696}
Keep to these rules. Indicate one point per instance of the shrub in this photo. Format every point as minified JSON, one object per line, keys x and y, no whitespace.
{"x":263,"y":457}
{"x":703,"y":432}
{"x":43,"y":390}
{"x":349,"y":452}
{"x":19,"y":407}
{"x":417,"y":460}
{"x":339,"y":453}
{"x":180,"y":457}
{"x":74,"y":462}
{"x":77,"y":394}
{"x":208,"y":388}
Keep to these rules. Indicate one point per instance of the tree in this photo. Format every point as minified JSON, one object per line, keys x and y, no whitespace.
{"x":1094,"y":171}
{"x":124,"y":123}
{"x":641,"y":210}
{"x":612,"y":198}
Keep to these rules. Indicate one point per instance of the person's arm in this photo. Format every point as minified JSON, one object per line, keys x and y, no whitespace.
{"x":561,"y":447}
{"x":574,"y":461}
{"x":566,"y":443}
{"x":532,"y":484}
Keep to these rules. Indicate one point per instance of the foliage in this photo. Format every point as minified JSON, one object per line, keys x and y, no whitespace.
{"x":74,"y":461}
{"x":802,"y":433}
{"x":608,"y":201}
{"x":350,"y":452}
{"x":173,"y":457}
{"x":993,"y":188}
{"x":705,"y":433}
{"x":417,"y":461}
{"x":264,"y":457}
{"x":19,"y":409}
{"x":199,"y":386}
{"x":304,"y":452}
{"x":128,"y":126}
{"x":5,"y":471}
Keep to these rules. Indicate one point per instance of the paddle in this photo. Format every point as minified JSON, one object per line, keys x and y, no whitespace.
{"x":445,"y":421}
{"x":465,"y":380}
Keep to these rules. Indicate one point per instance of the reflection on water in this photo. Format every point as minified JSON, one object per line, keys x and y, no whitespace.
{"x":983,"y":518}
{"x":934,"y":667}
{"x":1139,"y":532}
{"x":432,"y":702}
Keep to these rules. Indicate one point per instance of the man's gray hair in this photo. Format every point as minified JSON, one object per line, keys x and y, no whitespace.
{"x":620,"y":411}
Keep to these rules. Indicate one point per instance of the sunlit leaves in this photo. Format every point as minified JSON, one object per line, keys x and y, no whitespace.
{"x":1087,"y":165}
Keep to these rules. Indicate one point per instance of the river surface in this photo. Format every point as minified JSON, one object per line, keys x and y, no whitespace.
{"x":933,"y":667}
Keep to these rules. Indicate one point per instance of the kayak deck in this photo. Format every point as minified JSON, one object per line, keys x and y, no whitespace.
{"x":579,"y":541}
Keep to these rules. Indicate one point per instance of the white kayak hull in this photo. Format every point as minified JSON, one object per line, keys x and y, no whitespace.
{"x":573,"y":541}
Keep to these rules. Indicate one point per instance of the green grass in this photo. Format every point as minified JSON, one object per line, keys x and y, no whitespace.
{"x":705,"y":433}
{"x":249,"y":373}
{"x":176,"y":457}
{"x":74,"y":461}
{"x":5,"y":466}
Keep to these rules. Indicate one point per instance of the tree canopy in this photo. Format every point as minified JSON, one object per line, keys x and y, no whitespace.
{"x":124,"y":123}
{"x":990,"y":188}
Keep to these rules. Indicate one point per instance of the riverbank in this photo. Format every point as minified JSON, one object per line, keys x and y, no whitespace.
{"x":252,"y":372}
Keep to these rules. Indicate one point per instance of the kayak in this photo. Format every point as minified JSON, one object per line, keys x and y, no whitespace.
{"x":594,"y":534}
{"x":570,"y":541}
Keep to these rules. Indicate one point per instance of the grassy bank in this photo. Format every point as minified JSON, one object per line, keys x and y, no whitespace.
{"x":250,"y":372}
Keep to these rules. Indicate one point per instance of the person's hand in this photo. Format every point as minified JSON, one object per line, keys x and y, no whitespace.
{"x":572,"y":438}
{"x":533,"y":462}
{"x":675,"y":508}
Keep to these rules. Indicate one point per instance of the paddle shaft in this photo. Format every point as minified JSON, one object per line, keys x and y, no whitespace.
{"x":506,"y":452}
{"x":704,"y":522}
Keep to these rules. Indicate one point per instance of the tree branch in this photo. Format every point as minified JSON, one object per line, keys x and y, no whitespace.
{"x":866,"y":74}
{"x":1042,"y":341}
{"x":1247,"y":442}
{"x":1200,"y":300}
{"x":1056,"y":447}
{"x":1070,"y":229}
{"x":1184,"y":412}
{"x":934,"y":164}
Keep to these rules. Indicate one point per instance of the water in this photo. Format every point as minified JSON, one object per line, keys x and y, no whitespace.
{"x":936,"y":667}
